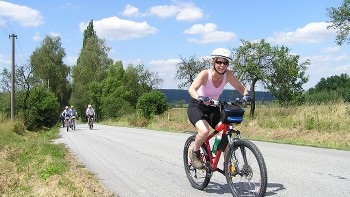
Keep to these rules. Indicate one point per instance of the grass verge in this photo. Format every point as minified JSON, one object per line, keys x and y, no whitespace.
{"x":30,"y":165}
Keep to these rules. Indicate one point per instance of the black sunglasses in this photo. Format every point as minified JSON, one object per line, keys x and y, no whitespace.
{"x":220,"y":62}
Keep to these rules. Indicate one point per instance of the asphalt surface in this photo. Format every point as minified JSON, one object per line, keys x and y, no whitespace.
{"x":139,"y":162}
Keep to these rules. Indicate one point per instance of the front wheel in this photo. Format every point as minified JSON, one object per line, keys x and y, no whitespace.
{"x":245,"y":169}
{"x":73,"y":125}
{"x":91,"y":124}
{"x":199,"y":179}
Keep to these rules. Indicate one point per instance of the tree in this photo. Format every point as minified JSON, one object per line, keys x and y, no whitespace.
{"x":188,"y":69}
{"x":340,"y":21}
{"x":90,"y":69}
{"x":331,"y":89}
{"x":47,"y":64}
{"x":139,"y":80}
{"x":274,"y":67}
{"x":287,"y":77}
{"x":152,"y":103}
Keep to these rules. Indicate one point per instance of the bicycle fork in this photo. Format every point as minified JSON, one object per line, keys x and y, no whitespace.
{"x":234,"y":169}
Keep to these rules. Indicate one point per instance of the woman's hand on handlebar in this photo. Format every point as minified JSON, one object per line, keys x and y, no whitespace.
{"x":204,"y":100}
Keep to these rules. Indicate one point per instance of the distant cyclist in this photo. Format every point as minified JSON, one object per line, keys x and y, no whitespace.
{"x":66,"y":114}
{"x":90,"y":113}
{"x":73,"y":111}
{"x":74,"y":114}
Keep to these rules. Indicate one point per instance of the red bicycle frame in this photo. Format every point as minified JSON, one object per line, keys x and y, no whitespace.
{"x":214,"y":162}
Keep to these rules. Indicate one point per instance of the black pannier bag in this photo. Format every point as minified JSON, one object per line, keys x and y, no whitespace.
{"x":232,"y":114}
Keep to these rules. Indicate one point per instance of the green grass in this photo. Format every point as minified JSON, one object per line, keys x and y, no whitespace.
{"x":31,"y":165}
{"x":319,"y":125}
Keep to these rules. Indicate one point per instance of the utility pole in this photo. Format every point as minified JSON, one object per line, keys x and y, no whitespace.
{"x":13,"y":78}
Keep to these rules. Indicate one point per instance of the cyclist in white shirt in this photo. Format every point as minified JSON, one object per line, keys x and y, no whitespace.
{"x":90,"y":112}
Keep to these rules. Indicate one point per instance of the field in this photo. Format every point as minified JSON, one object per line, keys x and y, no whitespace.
{"x":318,"y":125}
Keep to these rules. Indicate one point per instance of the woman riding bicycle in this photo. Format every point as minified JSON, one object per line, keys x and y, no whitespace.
{"x":209,"y":84}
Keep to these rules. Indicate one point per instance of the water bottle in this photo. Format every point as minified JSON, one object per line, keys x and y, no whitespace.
{"x":216,"y":143}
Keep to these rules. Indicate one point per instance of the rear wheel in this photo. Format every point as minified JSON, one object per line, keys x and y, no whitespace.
{"x":246,"y":175}
{"x":199,"y":179}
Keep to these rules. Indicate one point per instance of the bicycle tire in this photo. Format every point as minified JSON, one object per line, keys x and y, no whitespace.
{"x":91,"y":124}
{"x":73,"y":124}
{"x":250,"y":179}
{"x":199,"y":179}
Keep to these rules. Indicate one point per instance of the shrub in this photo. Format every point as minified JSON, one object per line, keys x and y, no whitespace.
{"x":43,"y":112}
{"x":152,"y":103}
{"x":114,"y":106}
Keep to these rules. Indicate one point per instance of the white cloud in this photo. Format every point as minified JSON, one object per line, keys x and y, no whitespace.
{"x":164,"y":67}
{"x":54,"y":34}
{"x":325,"y":66}
{"x":201,"y":29}
{"x":331,"y":49}
{"x":71,"y":60}
{"x":131,"y":11}
{"x":164,"y":11}
{"x":4,"y":60}
{"x":37,"y":37}
{"x":181,"y":11}
{"x":26,"y":16}
{"x":114,"y":28}
{"x":166,"y":70}
{"x":309,"y":34}
{"x":190,"y":13}
{"x":209,"y":34}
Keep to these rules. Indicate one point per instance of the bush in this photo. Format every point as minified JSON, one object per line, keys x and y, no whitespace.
{"x":152,"y":103}
{"x":43,"y":112}
{"x":113,"y":107}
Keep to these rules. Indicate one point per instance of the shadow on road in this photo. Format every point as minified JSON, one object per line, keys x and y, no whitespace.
{"x":273,"y":188}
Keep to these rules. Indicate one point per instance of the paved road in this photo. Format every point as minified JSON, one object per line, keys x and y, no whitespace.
{"x":138,"y":162}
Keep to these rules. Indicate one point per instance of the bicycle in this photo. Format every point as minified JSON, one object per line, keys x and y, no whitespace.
{"x":67,"y":122}
{"x":73,"y":122}
{"x":91,"y":121}
{"x":244,"y":165}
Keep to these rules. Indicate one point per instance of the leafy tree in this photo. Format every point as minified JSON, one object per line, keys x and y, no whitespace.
{"x":115,"y":94}
{"x":334,"y":87}
{"x":287,"y":77}
{"x":139,"y":80}
{"x":188,"y":69}
{"x":340,"y":21}
{"x":90,"y":69}
{"x":274,"y":67}
{"x":36,"y":105}
{"x":44,"y":109}
{"x":47,"y":64}
{"x":333,"y":83}
{"x":152,"y":103}
{"x":113,"y":106}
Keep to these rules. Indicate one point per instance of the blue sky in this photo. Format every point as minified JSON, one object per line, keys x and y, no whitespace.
{"x":156,"y":33}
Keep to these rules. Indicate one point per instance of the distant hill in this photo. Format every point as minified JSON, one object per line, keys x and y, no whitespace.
{"x":175,"y":95}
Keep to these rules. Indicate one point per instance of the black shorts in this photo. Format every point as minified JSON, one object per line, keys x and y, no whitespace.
{"x":197,"y":111}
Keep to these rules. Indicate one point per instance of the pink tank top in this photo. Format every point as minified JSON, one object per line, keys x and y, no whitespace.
{"x":210,"y":90}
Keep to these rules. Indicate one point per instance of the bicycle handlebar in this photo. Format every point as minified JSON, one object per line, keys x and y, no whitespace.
{"x":223,"y":103}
